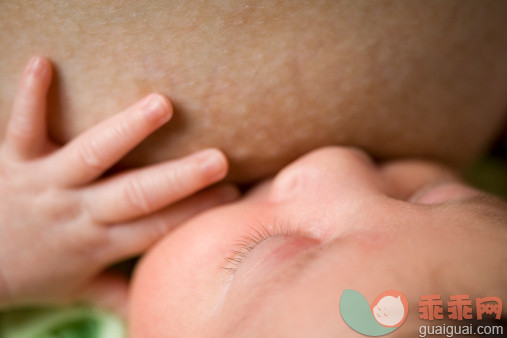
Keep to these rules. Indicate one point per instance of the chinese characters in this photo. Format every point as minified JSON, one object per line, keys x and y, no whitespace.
{"x":459,"y":307}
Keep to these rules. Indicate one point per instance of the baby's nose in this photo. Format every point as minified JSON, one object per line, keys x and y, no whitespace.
{"x":324,"y":170}
{"x":292,"y":182}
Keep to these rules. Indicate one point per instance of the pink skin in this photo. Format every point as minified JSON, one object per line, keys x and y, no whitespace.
{"x":61,"y":225}
{"x":342,"y":222}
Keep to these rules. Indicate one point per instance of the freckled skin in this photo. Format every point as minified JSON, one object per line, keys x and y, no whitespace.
{"x":269,"y":81}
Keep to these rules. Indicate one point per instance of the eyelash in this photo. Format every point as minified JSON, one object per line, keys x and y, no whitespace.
{"x":258,"y":234}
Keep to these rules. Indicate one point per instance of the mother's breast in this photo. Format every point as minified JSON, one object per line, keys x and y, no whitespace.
{"x":268,"y":81}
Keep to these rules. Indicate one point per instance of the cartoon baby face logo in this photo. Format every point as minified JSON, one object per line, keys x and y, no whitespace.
{"x":390,"y":308}
{"x":387,"y":312}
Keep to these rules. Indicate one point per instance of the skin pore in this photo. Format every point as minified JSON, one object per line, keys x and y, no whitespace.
{"x":269,"y":81}
{"x":276,"y":262}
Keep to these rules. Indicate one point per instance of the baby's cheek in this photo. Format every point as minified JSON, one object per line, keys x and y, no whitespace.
{"x":144,"y":302}
{"x":155,"y":305}
{"x":376,"y":239}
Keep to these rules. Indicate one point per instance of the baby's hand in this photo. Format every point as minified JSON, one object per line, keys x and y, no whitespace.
{"x":59,"y":225}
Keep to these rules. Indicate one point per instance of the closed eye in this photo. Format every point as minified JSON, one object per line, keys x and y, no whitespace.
{"x":258,"y":234}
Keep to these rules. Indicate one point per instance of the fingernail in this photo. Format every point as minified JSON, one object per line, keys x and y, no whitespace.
{"x":35,"y":65}
{"x":213,"y":164}
{"x":156,"y":109}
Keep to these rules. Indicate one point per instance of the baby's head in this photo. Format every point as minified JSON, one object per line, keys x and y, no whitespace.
{"x":276,"y":262}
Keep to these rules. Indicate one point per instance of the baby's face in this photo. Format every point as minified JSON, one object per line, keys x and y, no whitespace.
{"x":276,"y":262}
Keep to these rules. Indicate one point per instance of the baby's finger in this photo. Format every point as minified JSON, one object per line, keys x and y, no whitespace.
{"x":133,"y":238}
{"x":26,"y":134}
{"x":90,"y":154}
{"x":143,"y":191}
